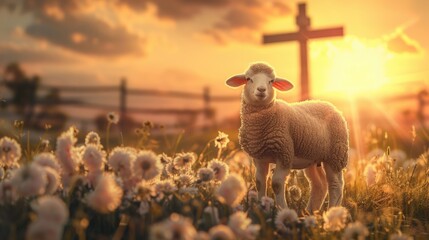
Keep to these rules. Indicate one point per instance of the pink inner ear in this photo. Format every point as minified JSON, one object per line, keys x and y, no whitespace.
{"x":282,"y":84}
{"x":236,"y":80}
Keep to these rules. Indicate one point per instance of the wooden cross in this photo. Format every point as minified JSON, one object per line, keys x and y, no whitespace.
{"x":302,"y":36}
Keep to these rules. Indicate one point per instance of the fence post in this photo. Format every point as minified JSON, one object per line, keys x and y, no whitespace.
{"x":206,"y":98}
{"x":123,"y":102}
{"x":422,"y":103}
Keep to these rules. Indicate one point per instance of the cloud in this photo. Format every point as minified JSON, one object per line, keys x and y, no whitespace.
{"x":239,"y":20}
{"x":12,"y":53}
{"x":401,"y":43}
{"x":87,"y":35}
{"x":70,"y":25}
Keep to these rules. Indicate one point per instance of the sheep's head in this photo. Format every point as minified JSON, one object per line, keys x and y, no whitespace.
{"x":259,"y":81}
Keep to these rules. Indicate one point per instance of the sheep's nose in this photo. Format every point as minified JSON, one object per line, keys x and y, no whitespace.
{"x":261,"y":89}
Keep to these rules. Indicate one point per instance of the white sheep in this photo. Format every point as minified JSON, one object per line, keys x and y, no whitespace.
{"x":303,"y":135}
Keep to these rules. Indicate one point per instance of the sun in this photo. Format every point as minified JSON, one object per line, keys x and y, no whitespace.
{"x":355,"y":66}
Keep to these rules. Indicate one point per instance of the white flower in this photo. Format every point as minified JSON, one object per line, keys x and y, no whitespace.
{"x":205,"y":174}
{"x":112,"y":117}
{"x":106,"y":196}
{"x":221,"y":140}
{"x":92,"y":138}
{"x":184,"y":160}
{"x":355,"y":231}
{"x":310,"y":221}
{"x":93,"y":157}
{"x":66,"y":154}
{"x":221,"y":232}
{"x":10,"y":151}
{"x":147,"y":165}
{"x":93,"y":176}
{"x":267,"y":204}
{"x":335,"y":219}
{"x":121,"y":160}
{"x":286,"y":219}
{"x":295,"y":192}
{"x":242,"y":227}
{"x":221,"y":169}
{"x":41,"y":230}
{"x":232,"y":190}
{"x":144,"y":191}
{"x":29,"y":180}
{"x":47,"y":160}
{"x":51,"y":209}
{"x":175,"y":227}
{"x":165,"y":186}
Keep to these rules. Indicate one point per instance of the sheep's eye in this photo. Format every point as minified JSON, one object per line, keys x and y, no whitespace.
{"x":271,"y":81}
{"x":249,"y":80}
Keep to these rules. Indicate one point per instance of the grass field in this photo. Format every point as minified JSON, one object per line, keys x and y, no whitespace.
{"x":140,"y":187}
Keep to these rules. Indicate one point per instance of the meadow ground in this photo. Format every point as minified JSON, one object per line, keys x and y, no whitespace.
{"x":81,"y":186}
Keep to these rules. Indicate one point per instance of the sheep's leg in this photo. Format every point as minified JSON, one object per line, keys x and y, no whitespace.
{"x":261,"y":177}
{"x":279,"y":181}
{"x":318,"y":187}
{"x":335,"y":185}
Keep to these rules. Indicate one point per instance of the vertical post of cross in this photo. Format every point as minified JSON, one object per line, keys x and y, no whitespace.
{"x":123,"y":103}
{"x":303,"y":23}
{"x":206,"y":98}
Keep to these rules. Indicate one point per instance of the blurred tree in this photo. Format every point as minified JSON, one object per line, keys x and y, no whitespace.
{"x":24,"y":89}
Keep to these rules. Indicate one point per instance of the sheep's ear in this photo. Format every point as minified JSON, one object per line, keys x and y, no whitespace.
{"x":236,"y":81}
{"x":282,"y":84}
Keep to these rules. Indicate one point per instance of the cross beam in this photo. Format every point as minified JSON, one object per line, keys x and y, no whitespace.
{"x":303,"y":34}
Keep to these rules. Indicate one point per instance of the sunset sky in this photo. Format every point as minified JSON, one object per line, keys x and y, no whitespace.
{"x":189,"y":44}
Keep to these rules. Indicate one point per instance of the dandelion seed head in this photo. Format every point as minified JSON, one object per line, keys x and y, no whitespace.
{"x":175,"y":227}
{"x":106,"y":196}
{"x":221,"y":140}
{"x":112,"y":117}
{"x":51,"y":209}
{"x":232,"y":190}
{"x":184,"y":180}
{"x":184,"y":160}
{"x":355,"y":231}
{"x":221,"y":169}
{"x":92,"y":138}
{"x":47,"y":160}
{"x":165,"y":186}
{"x":93,"y":157}
{"x":29,"y":180}
{"x":335,"y":219}
{"x":66,"y":154}
{"x":310,"y":221}
{"x":121,"y":160}
{"x":10,"y":151}
{"x":286,"y":219}
{"x":221,"y":232}
{"x":205,"y":174}
{"x":147,"y":165}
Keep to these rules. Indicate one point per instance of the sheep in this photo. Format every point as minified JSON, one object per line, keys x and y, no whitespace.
{"x":311,"y":135}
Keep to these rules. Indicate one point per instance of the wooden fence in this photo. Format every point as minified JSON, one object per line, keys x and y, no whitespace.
{"x":206,"y":97}
{"x":125,"y":92}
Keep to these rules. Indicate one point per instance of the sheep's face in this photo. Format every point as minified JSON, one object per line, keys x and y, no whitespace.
{"x":259,"y":89}
{"x":259,"y":86}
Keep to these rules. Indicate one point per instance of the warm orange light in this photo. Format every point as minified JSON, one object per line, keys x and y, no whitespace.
{"x":356,"y":66}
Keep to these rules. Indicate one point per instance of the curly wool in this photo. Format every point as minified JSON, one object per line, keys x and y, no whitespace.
{"x":313,"y":130}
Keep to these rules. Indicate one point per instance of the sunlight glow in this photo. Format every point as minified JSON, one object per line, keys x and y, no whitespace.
{"x":356,"y":66}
